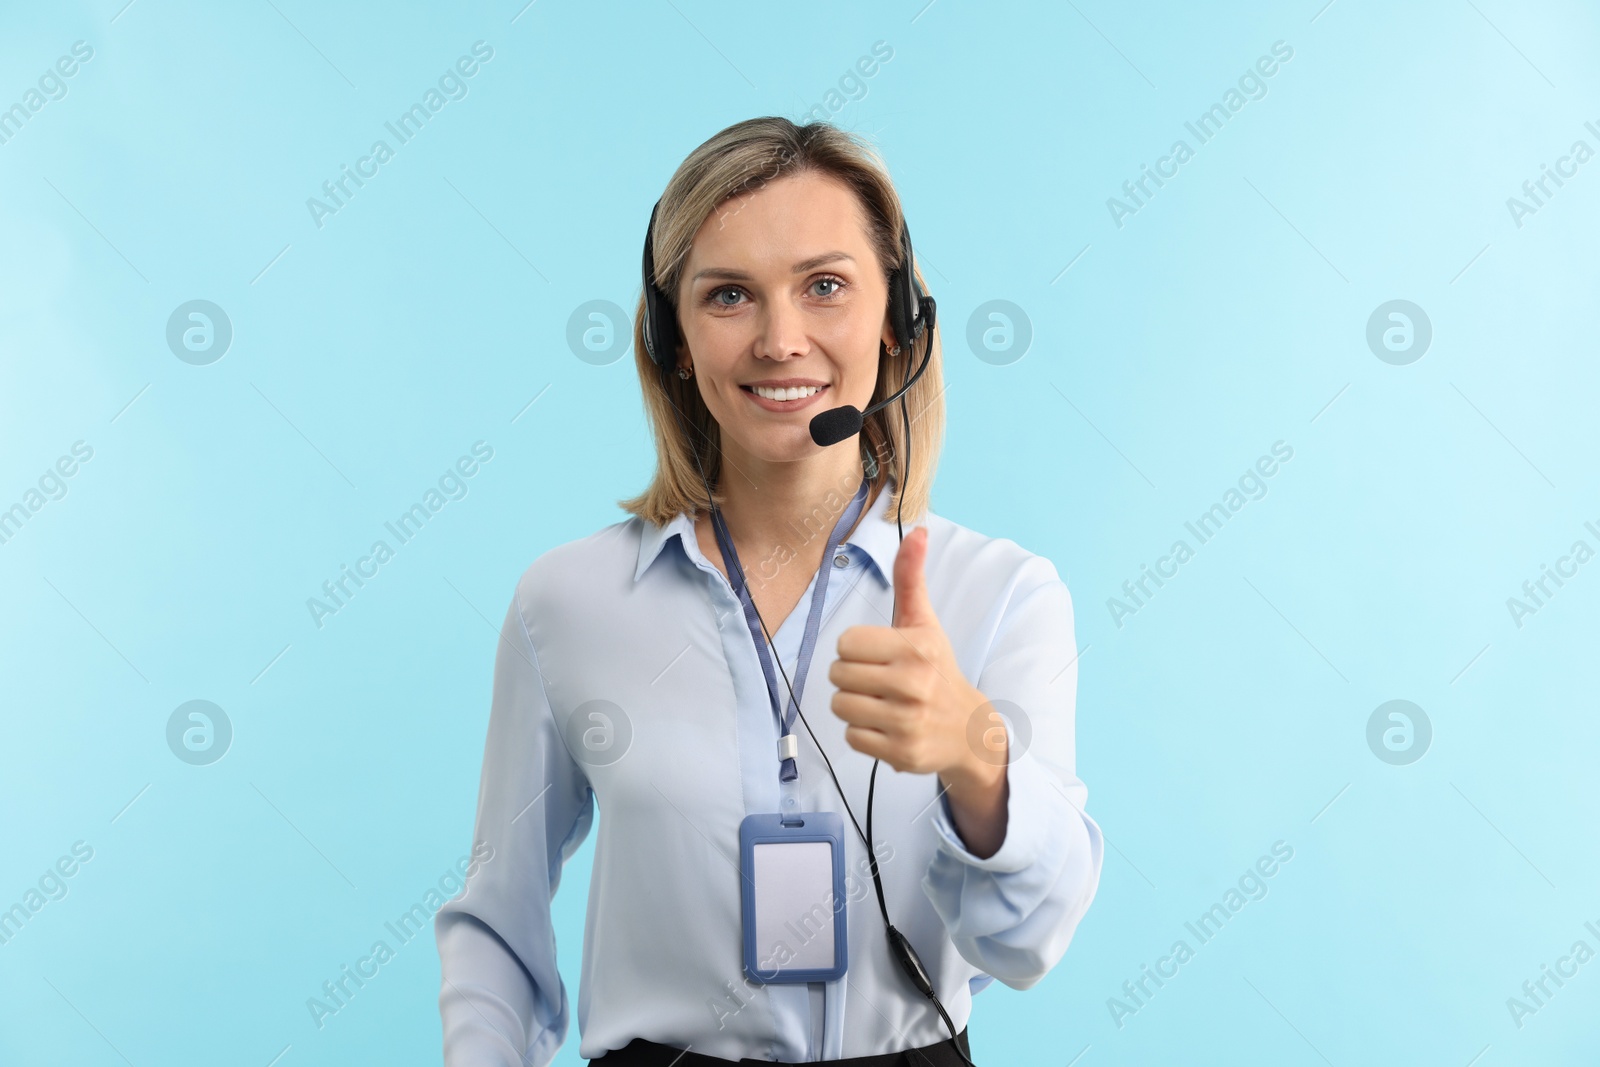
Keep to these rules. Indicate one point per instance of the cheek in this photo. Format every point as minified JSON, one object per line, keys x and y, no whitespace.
{"x":860,"y":369}
{"x":714,"y":349}
{"x":851,"y":344}
{"x":859,"y":331}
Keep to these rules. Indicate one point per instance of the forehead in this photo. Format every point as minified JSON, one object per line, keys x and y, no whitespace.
{"x":779,"y":223}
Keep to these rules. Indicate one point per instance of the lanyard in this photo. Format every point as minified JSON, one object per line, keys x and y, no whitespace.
{"x":788,"y":744}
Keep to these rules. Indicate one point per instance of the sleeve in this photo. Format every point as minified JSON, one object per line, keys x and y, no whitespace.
{"x":501,"y":999}
{"x":1012,"y":915}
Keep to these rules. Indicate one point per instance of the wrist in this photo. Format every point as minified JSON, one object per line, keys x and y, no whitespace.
{"x":974,"y":777}
{"x":977,"y":793}
{"x":985,"y":751}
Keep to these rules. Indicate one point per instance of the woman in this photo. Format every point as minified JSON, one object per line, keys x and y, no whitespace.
{"x":629,"y":676}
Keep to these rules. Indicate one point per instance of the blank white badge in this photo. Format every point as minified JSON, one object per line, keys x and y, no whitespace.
{"x":793,"y":905}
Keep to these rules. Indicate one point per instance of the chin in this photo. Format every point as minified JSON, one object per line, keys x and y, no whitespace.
{"x":788,"y":446}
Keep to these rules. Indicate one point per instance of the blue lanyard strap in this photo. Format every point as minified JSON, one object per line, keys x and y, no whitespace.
{"x":730,"y":558}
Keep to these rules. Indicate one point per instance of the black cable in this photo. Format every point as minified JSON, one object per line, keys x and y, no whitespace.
{"x":899,"y":514}
{"x":899,"y":945}
{"x":778,"y":660}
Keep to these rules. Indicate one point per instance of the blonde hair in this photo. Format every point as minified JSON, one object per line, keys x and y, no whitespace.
{"x":741,"y":158}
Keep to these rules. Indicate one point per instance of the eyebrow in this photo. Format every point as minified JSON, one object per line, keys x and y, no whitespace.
{"x":799,"y":268}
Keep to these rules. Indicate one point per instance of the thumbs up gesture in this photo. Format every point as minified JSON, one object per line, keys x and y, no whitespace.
{"x":901,"y":691}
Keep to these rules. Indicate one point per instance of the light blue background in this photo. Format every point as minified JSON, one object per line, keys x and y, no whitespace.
{"x":1229,"y":313}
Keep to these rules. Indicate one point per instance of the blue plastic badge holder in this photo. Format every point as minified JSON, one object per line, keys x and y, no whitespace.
{"x":791,"y":873}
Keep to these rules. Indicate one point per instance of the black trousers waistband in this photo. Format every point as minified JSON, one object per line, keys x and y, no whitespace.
{"x":642,"y":1053}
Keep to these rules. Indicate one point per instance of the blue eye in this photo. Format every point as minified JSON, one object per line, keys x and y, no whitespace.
{"x":713,"y":297}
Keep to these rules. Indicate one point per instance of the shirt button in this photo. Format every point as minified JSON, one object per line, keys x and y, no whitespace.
{"x":841,"y":560}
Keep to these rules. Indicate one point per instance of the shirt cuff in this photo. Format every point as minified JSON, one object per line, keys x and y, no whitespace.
{"x":1033,"y":805}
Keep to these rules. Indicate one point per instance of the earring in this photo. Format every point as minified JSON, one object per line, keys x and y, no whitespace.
{"x":686,"y":372}
{"x":895,"y":351}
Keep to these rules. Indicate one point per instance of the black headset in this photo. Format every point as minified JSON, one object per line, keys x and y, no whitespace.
{"x":912,"y":312}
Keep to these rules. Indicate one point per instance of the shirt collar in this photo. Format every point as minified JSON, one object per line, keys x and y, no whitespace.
{"x":653,"y":538}
{"x":875,"y":534}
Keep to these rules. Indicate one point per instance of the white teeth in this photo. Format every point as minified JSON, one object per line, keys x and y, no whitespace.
{"x":791,"y":393}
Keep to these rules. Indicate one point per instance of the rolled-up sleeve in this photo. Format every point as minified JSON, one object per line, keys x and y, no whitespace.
{"x":501,"y":999}
{"x":1012,"y":914}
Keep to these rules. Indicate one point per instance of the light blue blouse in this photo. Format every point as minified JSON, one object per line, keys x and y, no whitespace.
{"x":626,"y":677}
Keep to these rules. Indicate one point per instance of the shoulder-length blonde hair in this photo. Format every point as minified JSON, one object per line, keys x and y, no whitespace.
{"x":740,"y":159}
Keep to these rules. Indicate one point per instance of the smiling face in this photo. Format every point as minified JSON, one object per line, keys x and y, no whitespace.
{"x":782,"y":308}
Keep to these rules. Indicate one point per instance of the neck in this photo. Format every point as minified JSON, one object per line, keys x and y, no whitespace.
{"x":767,"y":505}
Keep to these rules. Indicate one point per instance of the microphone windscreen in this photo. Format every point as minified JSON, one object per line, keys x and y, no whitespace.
{"x":836,"y":424}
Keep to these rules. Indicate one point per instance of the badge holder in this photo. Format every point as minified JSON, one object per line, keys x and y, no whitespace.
{"x":791,"y":869}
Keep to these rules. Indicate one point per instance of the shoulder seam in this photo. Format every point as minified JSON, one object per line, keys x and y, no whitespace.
{"x":516,"y":600}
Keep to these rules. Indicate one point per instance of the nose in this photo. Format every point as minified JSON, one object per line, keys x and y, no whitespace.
{"x":783,"y":332}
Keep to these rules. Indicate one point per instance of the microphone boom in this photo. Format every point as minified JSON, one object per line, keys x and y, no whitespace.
{"x":836,"y":424}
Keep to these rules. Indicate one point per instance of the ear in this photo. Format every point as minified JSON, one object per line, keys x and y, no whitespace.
{"x":888,"y":338}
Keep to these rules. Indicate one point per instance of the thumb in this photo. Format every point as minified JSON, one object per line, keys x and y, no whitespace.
{"x":911,"y":604}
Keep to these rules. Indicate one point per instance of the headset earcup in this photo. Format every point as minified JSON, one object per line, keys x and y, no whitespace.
{"x":905,"y":307}
{"x":899,"y":315}
{"x":660,"y":327}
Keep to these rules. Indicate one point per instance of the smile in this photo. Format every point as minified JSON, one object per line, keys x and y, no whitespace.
{"x":778,"y":398}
